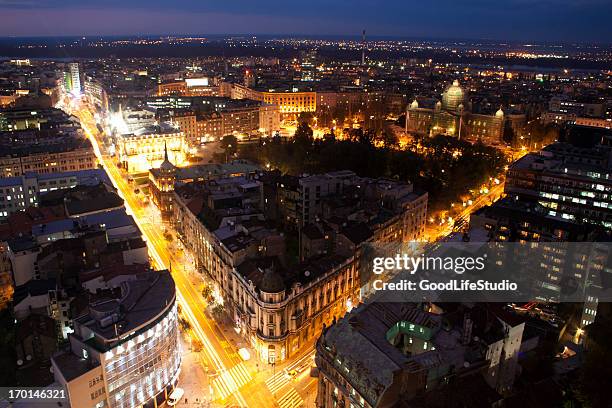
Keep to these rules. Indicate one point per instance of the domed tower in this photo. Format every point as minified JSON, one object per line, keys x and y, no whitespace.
{"x":452,"y":97}
{"x":161,"y":183}
{"x":271,"y":327}
{"x":499,"y":114}
{"x":272,"y":285}
{"x":414,"y":104}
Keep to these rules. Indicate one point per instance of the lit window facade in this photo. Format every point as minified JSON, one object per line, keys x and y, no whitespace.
{"x":142,"y":367}
{"x":125,"y":352}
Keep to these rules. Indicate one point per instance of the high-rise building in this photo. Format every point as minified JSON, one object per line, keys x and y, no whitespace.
{"x":249,"y":78}
{"x":75,"y":78}
{"x":308,"y":65}
{"x":573,"y":180}
{"x":570,"y":253}
{"x":67,"y":81}
{"x":96,"y":94}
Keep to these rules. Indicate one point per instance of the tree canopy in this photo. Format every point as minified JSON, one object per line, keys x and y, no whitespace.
{"x":443,"y":166}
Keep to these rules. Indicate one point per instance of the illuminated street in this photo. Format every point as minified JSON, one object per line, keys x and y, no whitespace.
{"x":233,"y":380}
{"x":338,"y":207}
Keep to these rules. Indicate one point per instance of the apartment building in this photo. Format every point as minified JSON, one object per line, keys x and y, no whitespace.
{"x":279,"y":310}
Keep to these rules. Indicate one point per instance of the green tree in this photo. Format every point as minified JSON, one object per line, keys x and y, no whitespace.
{"x":230,"y":144}
{"x":508,"y":135}
{"x":305,"y":117}
{"x":217,"y":311}
{"x":389,"y":138}
{"x":303,"y":135}
{"x":207,"y":293}
{"x":367,"y":137}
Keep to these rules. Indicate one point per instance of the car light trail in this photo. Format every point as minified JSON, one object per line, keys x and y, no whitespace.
{"x":228,"y":384}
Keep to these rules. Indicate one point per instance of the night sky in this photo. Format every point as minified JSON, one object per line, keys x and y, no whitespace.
{"x":524,"y":20}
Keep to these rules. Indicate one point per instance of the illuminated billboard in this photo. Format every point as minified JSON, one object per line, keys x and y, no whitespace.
{"x":192,"y":82}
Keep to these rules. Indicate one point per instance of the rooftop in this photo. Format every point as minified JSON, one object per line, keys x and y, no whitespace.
{"x":360,"y":343}
{"x":258,"y":271}
{"x":34,"y":287}
{"x":159,"y":129}
{"x":72,"y":366}
{"x":142,"y":301}
{"x":61,"y":144}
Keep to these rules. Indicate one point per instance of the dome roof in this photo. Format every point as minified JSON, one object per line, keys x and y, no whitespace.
{"x":414,"y":104}
{"x":452,"y":97}
{"x":454,"y":90}
{"x":271,"y":282}
{"x":499,"y":113}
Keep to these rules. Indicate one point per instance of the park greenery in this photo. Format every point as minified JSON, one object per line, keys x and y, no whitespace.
{"x":443,"y":166}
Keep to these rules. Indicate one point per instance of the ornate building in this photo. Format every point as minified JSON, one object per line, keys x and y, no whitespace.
{"x":161,"y":184}
{"x":452,"y":116}
{"x":278,"y":309}
{"x":389,"y":354}
{"x":162,"y":180}
{"x":145,"y":148}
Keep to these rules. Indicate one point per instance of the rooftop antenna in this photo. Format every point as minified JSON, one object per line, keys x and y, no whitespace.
{"x":363,"y":46}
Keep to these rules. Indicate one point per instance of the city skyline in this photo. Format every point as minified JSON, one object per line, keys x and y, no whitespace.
{"x":518,"y":20}
{"x":352,"y":204}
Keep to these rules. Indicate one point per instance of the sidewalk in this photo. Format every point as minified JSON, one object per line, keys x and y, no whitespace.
{"x":193,"y":378}
{"x":237,"y":341}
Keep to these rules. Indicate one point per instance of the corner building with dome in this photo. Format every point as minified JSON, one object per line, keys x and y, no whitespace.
{"x":452,"y":116}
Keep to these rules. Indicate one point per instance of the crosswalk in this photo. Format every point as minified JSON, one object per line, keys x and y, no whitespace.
{"x":230,"y":381}
{"x":290,"y":400}
{"x":277,"y":382}
{"x":285,"y":399}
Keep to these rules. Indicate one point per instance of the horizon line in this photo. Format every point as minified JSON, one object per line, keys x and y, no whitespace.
{"x":321,"y":36}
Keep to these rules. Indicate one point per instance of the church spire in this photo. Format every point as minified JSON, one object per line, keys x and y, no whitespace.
{"x":166,"y":164}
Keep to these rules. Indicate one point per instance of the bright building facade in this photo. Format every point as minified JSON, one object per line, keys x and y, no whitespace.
{"x":124,"y":352}
{"x":144,"y":149}
{"x":279,"y":311}
{"x":451,"y":117}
